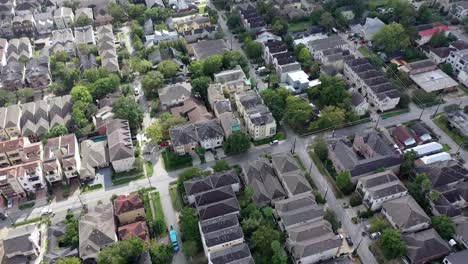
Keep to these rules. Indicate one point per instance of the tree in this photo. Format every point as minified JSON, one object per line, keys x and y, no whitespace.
{"x":280,"y":27}
{"x":330,"y":116}
{"x":304,"y":55}
{"x":7,"y":98}
{"x":83,"y":21}
{"x":117,"y":12}
{"x":392,"y":244}
{"x":438,"y":40}
{"x":121,"y":252}
{"x":213,"y":64}
{"x":321,"y":148}
{"x":444,"y":226}
{"x":221,"y":165}
{"x":151,"y":83}
{"x":161,"y":253}
{"x":343,"y":181}
{"x":200,"y":87}
{"x":25,"y":95}
{"x":104,"y":86}
{"x":92,"y":75}
{"x":233,"y":58}
{"x":190,"y":248}
{"x":158,"y":14}
{"x":447,"y":68}
{"x":377,"y":224}
{"x":392,"y":37}
{"x":233,"y":21}
{"x":327,"y":21}
{"x":278,"y":257}
{"x":188,"y":222}
{"x":261,"y":240}
{"x":331,"y":91}
{"x":407,"y":165}
{"x":236,"y":143}
{"x":71,"y":260}
{"x":196,"y":68}
{"x":57,"y":130}
{"x":140,"y":65}
{"x":71,"y":237}
{"x":126,"y":108}
{"x":253,"y":49}
{"x":168,"y":68}
{"x":276,"y":101}
{"x":297,"y":113}
{"x":81,"y":93}
{"x":159,"y":130}
{"x":330,"y":216}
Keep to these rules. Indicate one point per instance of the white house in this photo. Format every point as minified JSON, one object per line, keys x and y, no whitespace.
{"x":210,"y":134}
{"x":175,"y":94}
{"x":406,"y":215}
{"x":30,"y":176}
{"x":360,"y":105}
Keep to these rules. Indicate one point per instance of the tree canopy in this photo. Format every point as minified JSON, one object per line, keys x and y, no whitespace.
{"x":392,"y":244}
{"x":126,"y":108}
{"x":297,"y":113}
{"x":151,"y":83}
{"x":168,"y":68}
{"x":236,"y":143}
{"x":331,"y":91}
{"x":343,"y":181}
{"x":200,"y":87}
{"x":121,"y":252}
{"x":392,"y":37}
{"x":158,"y":131}
{"x":161,"y":254}
{"x":444,"y":225}
{"x":321,"y":148}
{"x":275,"y":100}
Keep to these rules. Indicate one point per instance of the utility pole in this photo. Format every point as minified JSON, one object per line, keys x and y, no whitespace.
{"x":310,"y":168}
{"x":359,"y":244}
{"x":377,"y":123}
{"x":421,"y":113}
{"x":326,"y":191}
{"x":293,"y":149}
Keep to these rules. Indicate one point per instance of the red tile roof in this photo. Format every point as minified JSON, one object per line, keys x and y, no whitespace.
{"x":127,"y":203}
{"x":401,"y":134}
{"x":138,"y":230}
{"x":434,"y":30}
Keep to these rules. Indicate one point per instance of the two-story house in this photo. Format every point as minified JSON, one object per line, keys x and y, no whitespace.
{"x":129,"y":209}
{"x":44,"y":23}
{"x":24,"y":25}
{"x":61,"y":158}
{"x":63,"y":17}
{"x":120,"y":145}
{"x":405,"y":214}
{"x":38,"y":73}
{"x":220,"y":232}
{"x":176,"y":94}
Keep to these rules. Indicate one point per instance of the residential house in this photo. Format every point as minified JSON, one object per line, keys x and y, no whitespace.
{"x":458,"y":120}
{"x":367,"y":154}
{"x":210,"y":134}
{"x":60,"y":111}
{"x":260,"y":175}
{"x":444,"y":177}
{"x":359,"y":104}
{"x":9,"y":185}
{"x":61,"y":157}
{"x":312,"y":242}
{"x":7,"y":7}
{"x":233,"y":80}
{"x":439,"y":55}
{"x":428,"y":77}
{"x":370,"y":27}
{"x":84,"y":35}
{"x":24,"y":7}
{"x":232,"y":255}
{"x":426,"y":31}
{"x":257,"y":117}
{"x":426,"y":149}
{"x":290,"y":174}
{"x":22,"y":244}
{"x":94,"y":155}
{"x":320,"y":44}
{"x":421,"y":131}
{"x":189,"y":23}
{"x":197,"y":186}
{"x":96,"y":230}
{"x":24,"y":24}
{"x":85,"y":12}
{"x":206,"y":32}
{"x":403,"y":138}
{"x":250,"y":17}
{"x":266,"y":36}
{"x":193,"y":109}
{"x":277,"y":54}
{"x":29,"y":176}
{"x":379,"y":187}
{"x":296,"y":211}
{"x":153,"y":3}
{"x":176,"y":94}
{"x":138,"y":230}
{"x":433,"y":159}
{"x":406,"y":215}
{"x":129,"y":209}
{"x":215,"y":94}
{"x":298,"y":81}
{"x":88,"y":62}
{"x":106,"y":48}
{"x":54,"y":251}
{"x":19,"y":49}
{"x":203,"y":49}
{"x":120,"y":145}
{"x":220,"y":232}
{"x":6,"y":27}
{"x":19,"y":151}
{"x":34,"y":120}
{"x":184,"y":138}
{"x":13,"y":75}
{"x":219,"y":208}
{"x":371,"y":84}
{"x":159,"y":36}
{"x":44,"y":23}
{"x":458,"y":60}
{"x":456,"y":258}
{"x":425,"y":246}
{"x":38,"y":74}
{"x":63,"y":17}
{"x":63,"y":41}
{"x":101,"y":13}
{"x":461,"y":230}
{"x":11,"y":121}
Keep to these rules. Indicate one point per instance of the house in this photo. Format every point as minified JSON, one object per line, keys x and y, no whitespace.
{"x":34,"y":120}
{"x":129,"y":209}
{"x":371,"y":83}
{"x":426,"y":31}
{"x":218,"y":180}
{"x":298,"y":81}
{"x":296,"y":211}
{"x":220,"y":232}
{"x":106,"y":48}
{"x":250,"y":17}
{"x":213,"y":196}
{"x":421,"y":131}
{"x":54,"y":251}
{"x":367,"y":154}
{"x":101,"y":13}
{"x":461,"y":229}
{"x":443,"y":177}
{"x":165,"y":54}
{"x":184,"y":138}
{"x":204,"y":49}
{"x":379,"y":187}
{"x":232,"y":255}
{"x":219,"y":208}
{"x":439,"y":55}
{"x":63,"y":41}
{"x":84,"y":36}
{"x":260,"y":175}
{"x":403,"y":138}
{"x":456,"y":258}
{"x":38,"y":74}
{"x":61,"y":157}
{"x":425,"y":246}
{"x":319,"y":45}
{"x":9,"y":185}
{"x":277,"y":54}
{"x":426,"y":149}
{"x":154,"y":3}
{"x":60,"y":108}
{"x":193,"y":109}
{"x":158,"y":36}
{"x":24,"y":24}
{"x":334,"y":57}
{"x":359,"y":104}
{"x":461,"y":9}
{"x":63,"y":17}
{"x":27,"y":175}
{"x":26,"y":6}
{"x":6,"y":27}
{"x":138,"y":230}
{"x":120,"y":145}
{"x":233,"y":80}
{"x":458,"y":60}
{"x":188,"y":23}
{"x":290,"y":174}
{"x":11,"y":121}
{"x":458,"y":120}
{"x":175,"y":94}
{"x":312,"y":243}
{"x":229,"y":123}
{"x":405,"y":214}
{"x":19,"y":49}
{"x":370,"y":27}
{"x":19,"y":151}
{"x":428,"y":77}
{"x":204,"y":32}
{"x":257,"y":117}
{"x":210,"y":134}
{"x":13,"y":75}
{"x":22,"y":244}
{"x":434,"y":158}
{"x":96,"y":230}
{"x":94,"y":155}
{"x":85,"y":12}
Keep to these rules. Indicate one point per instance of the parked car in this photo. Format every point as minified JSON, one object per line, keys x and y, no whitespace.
{"x":375,"y":235}
{"x":349,"y":240}
{"x":340,"y":236}
{"x":136,"y":91}
{"x":10,"y":204}
{"x":46,"y":211}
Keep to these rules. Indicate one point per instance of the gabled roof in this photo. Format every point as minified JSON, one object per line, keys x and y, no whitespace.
{"x":175,"y":92}
{"x":425,"y":245}
{"x":138,"y":229}
{"x":183,"y":135}
{"x":210,"y":129}
{"x":119,"y":140}
{"x":298,"y":209}
{"x":405,"y":212}
{"x":214,"y":195}
{"x":224,"y":207}
{"x":238,"y":254}
{"x":217,"y":180}
{"x":127,"y":203}
{"x":221,"y":230}
{"x":288,"y":170}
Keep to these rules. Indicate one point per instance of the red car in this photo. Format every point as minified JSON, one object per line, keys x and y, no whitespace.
{"x":163,"y":144}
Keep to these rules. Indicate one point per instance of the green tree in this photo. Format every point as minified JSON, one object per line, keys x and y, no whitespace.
{"x":407,"y":165}
{"x":276,"y":101}
{"x":71,"y":237}
{"x":377,"y":224}
{"x":392,"y":37}
{"x":136,"y":11}
{"x":297,"y":113}
{"x":438,"y":40}
{"x":188,"y":222}
{"x":278,"y":257}
{"x":304,"y":55}
{"x":444,"y":226}
{"x":117,"y":12}
{"x":200,"y":87}
{"x":343,"y":181}
{"x":196,"y":68}
{"x":126,"y":108}
{"x":331,"y":91}
{"x":327,"y":21}
{"x":159,"y":130}
{"x":213,"y":64}
{"x":7,"y":98}
{"x":71,"y":260}
{"x":83,"y":21}
{"x":447,"y":68}
{"x":236,"y":143}
{"x":261,"y":240}
{"x":104,"y":86}
{"x":330,"y":116}
{"x":81,"y":93}
{"x":158,"y":14}
{"x":330,"y":216}
{"x":25,"y":95}
{"x":233,"y":58}
{"x":221,"y":165}
{"x":161,"y":253}
{"x":280,"y":27}
{"x":57,"y":130}
{"x":139,"y":65}
{"x":253,"y":49}
{"x":233,"y":21}
{"x":151,"y":83}
{"x":392,"y":244}
{"x":168,"y":68}
{"x":121,"y":252}
{"x":190,"y":248}
{"x":321,"y":148}
{"x":93,"y":75}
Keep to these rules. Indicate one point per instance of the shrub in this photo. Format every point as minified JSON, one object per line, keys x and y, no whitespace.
{"x":451,"y":108}
{"x":355,"y":200}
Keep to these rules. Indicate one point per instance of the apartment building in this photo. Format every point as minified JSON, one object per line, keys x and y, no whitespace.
{"x":276,"y":53}
{"x":233,"y":80}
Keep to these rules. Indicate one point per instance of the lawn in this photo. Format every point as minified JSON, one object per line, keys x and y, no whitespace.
{"x":29,"y":221}
{"x":175,"y":198}
{"x":445,"y":147}
{"x":365,"y":51}
{"x":26,"y":206}
{"x":120,"y":181}
{"x":90,"y":188}
{"x":149,"y":168}
{"x":459,"y":139}
{"x":394,"y":113}
{"x":159,"y":214}
{"x":279,"y":136}
{"x":299,"y":161}
{"x":173,"y":161}
{"x":298,"y":27}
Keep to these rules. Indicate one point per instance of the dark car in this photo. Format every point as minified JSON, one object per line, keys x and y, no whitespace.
{"x":349,"y":240}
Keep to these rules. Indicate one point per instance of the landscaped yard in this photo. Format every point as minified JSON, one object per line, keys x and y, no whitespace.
{"x":136,"y":173}
{"x":461,"y":140}
{"x":149,"y":168}
{"x":158,"y":216}
{"x":26,"y":206}
{"x":120,"y":181}
{"x":173,"y":161}
{"x":365,"y":51}
{"x":175,"y":198}
{"x":90,"y":188}
{"x":297,"y":27}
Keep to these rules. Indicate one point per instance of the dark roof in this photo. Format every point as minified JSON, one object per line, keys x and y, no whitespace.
{"x":182,"y":135}
{"x":442,"y":176}
{"x":420,"y":129}
{"x":199,"y":185}
{"x":356,"y":99}
{"x":238,"y":254}
{"x":459,"y":45}
{"x":224,"y":207}
{"x":221,"y":230}
{"x":421,"y":64}
{"x":209,"y":129}
{"x":213,"y":196}
{"x":460,"y":257}
{"x":424,"y":246}
{"x":442,"y":52}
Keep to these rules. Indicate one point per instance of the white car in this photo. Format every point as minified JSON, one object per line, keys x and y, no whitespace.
{"x":375,"y":235}
{"x":10,"y":204}
{"x":46,"y":211}
{"x":136,"y":91}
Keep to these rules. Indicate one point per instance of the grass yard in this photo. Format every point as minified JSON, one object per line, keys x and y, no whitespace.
{"x":298,"y":27}
{"x":459,"y":139}
{"x":90,"y":188}
{"x":149,"y":168}
{"x":26,"y":206}
{"x":446,"y":147}
{"x":175,"y":198}
{"x":365,"y":51}
{"x":299,"y":161}
{"x":159,"y":214}
{"x":29,"y":221}
{"x":173,"y":161}
{"x":120,"y":181}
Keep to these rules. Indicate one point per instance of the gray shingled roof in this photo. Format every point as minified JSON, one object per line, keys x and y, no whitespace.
{"x":238,"y":254}
{"x":209,"y":129}
{"x":425,"y":245}
{"x":119,"y":140}
{"x":288,"y":170}
{"x":405,"y":212}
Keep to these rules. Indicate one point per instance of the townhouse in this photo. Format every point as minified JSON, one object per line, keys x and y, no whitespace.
{"x":231,"y":255}
{"x":22,"y":244}
{"x":296,"y":211}
{"x":63,"y":41}
{"x":220,"y":232}
{"x":130,"y":212}
{"x":13,"y":75}
{"x":84,"y":36}
{"x":121,"y":154}
{"x":19,"y":49}
{"x":157,"y":36}
{"x":189,"y":23}
{"x":34,"y":120}
{"x":206,"y":32}
{"x":175,"y":94}
{"x":370,"y":27}
{"x":425,"y":246}
{"x":405,"y":215}
{"x":195,"y":187}
{"x":10,"y":122}
{"x":223,"y":110}
{"x":106,"y":48}
{"x":233,"y":80}
{"x":38,"y":74}
{"x":61,"y":158}
{"x":257,"y":117}
{"x":250,"y":18}
{"x":24,"y":24}
{"x":208,"y":134}
{"x":44,"y":23}
{"x":276,"y":53}
{"x":63,"y":17}
{"x":290,"y":174}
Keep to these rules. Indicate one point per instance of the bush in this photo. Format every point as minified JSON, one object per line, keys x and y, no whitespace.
{"x":420,"y":97}
{"x":319,"y":198}
{"x":366,"y":214}
{"x":451,"y":108}
{"x":172,"y":161}
{"x":355,"y":200}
